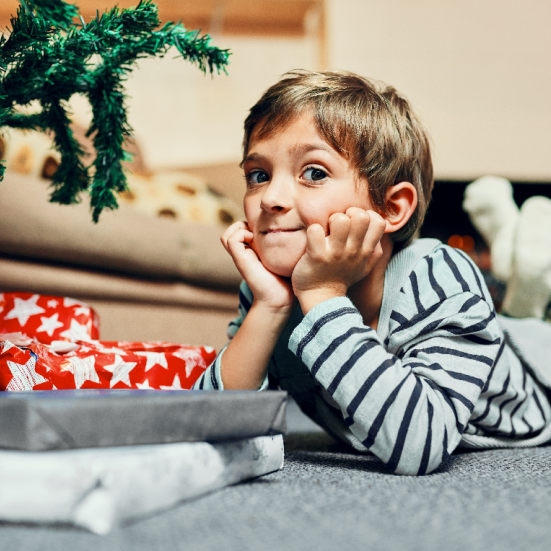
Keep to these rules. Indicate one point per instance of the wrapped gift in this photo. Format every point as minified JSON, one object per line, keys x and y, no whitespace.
{"x":47,"y":318}
{"x":50,"y":343}
{"x":70,"y":419}
{"x":97,"y":458}
{"x":97,"y":364}
{"x":100,"y":455}
{"x":100,"y":488}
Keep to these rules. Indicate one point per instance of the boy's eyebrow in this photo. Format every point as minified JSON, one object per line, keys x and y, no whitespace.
{"x":307,"y":147}
{"x":252,"y":157}
{"x":297,"y":149}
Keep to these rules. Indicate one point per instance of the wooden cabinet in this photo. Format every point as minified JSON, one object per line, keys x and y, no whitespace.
{"x":237,"y":17}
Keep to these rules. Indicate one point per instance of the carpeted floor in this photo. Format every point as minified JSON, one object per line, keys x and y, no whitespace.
{"x":328,"y":498}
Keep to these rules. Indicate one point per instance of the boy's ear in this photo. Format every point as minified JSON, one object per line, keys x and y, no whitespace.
{"x":401,"y":202}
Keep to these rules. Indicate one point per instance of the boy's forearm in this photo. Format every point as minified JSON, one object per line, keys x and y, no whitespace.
{"x":310,"y":299}
{"x":245,"y":360}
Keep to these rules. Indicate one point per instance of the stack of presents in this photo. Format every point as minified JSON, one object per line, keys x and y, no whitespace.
{"x":116,"y":432}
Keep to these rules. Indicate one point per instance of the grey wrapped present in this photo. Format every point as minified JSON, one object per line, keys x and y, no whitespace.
{"x":72,"y":419}
{"x":101,"y":488}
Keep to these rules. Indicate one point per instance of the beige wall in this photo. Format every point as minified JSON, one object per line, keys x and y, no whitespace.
{"x":183,"y":118}
{"x":478,"y":71}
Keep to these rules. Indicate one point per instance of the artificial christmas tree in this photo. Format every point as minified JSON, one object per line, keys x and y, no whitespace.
{"x":47,"y":57}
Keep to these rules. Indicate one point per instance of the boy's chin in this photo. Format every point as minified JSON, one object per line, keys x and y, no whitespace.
{"x":283,"y":269}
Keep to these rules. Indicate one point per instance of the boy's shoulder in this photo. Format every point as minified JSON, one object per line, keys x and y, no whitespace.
{"x":428,"y":266}
{"x":428,"y":273}
{"x":431,"y":286}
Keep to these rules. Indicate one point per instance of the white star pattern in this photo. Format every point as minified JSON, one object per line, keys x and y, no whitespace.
{"x":192,"y":359}
{"x":125,"y":343}
{"x":175,"y":384}
{"x":82,"y":310}
{"x":120,"y":370}
{"x":149,"y":344}
{"x":24,"y":376}
{"x":24,"y":309}
{"x":67,"y":302}
{"x":82,"y":368}
{"x":76,"y":332}
{"x":52,"y":303}
{"x":154,"y":358}
{"x":112,"y":350}
{"x":49,"y":325}
{"x":7,"y":346}
{"x":63,"y":347}
{"x":143,"y":385}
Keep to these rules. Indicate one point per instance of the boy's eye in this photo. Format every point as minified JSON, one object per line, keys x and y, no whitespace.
{"x":256,"y":177}
{"x":314,"y":174}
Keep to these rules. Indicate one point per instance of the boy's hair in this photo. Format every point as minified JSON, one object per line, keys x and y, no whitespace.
{"x":367,"y":122}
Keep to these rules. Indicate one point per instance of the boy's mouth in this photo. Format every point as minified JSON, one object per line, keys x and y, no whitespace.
{"x":280,"y":230}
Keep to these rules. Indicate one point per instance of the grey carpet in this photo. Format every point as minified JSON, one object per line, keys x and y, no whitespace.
{"x":329,"y":498}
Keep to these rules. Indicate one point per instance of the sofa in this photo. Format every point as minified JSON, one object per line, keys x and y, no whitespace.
{"x":148,"y":278}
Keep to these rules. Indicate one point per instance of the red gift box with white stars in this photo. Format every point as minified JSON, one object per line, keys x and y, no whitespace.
{"x":47,"y":318}
{"x":49,"y":343}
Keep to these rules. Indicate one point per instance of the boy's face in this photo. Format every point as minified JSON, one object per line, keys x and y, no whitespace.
{"x":295,"y":179}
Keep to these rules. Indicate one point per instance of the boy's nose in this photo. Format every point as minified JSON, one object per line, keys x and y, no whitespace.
{"x":276,"y":197}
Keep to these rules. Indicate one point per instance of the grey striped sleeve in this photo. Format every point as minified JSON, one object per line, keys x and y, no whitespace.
{"x":407,"y":400}
{"x":211,"y":379}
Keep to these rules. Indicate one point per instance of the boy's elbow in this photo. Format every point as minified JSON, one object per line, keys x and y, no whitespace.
{"x":417,"y":469}
{"x":420,"y":455}
{"x":413,"y":466}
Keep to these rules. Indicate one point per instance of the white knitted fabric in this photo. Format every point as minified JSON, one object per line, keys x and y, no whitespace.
{"x":493,"y":212}
{"x":529,"y":287}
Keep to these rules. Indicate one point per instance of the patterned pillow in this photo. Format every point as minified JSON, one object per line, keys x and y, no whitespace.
{"x":181,"y":196}
{"x":171,"y":194}
{"x":28,"y":153}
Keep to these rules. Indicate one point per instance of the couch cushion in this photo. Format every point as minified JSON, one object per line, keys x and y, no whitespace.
{"x":124,"y":241}
{"x":26,"y":275}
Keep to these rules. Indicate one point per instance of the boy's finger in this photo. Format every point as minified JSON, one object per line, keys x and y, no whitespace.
{"x":230,"y":231}
{"x":351,"y":211}
{"x":375,"y":232}
{"x":339,"y":228}
{"x":359,"y":225}
{"x":238,"y":239}
{"x":315,"y":241}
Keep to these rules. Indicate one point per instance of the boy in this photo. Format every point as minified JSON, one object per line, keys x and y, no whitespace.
{"x":389,"y":343}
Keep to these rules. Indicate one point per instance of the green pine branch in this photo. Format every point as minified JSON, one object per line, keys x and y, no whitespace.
{"x":56,"y":12}
{"x":47,"y":57}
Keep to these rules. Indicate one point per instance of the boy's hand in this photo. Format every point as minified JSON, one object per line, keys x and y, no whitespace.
{"x":268,"y":289}
{"x":332,"y":264}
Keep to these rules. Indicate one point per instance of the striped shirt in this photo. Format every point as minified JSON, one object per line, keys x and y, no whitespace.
{"x":436,"y":373}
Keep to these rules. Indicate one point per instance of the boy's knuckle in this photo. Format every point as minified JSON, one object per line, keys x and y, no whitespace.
{"x":340,"y":217}
{"x":319,"y":257}
{"x":365,"y":219}
{"x":378,"y":252}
